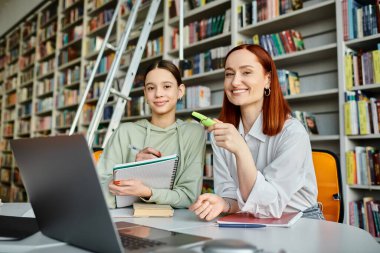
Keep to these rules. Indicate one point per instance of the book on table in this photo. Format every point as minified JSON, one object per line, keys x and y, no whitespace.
{"x":158,"y":173}
{"x":152,"y":210}
{"x":244,"y":218}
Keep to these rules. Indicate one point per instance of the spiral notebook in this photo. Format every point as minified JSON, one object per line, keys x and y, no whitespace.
{"x":156,"y":173}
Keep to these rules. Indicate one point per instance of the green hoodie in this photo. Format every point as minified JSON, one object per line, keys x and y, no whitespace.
{"x":183,"y":138}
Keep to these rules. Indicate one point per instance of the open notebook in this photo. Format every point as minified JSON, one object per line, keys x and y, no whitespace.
{"x":156,"y":173}
{"x":243,"y":218}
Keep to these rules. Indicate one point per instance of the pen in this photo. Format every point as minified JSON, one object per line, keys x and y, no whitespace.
{"x":137,"y":150}
{"x":134,"y":148}
{"x":241,"y":225}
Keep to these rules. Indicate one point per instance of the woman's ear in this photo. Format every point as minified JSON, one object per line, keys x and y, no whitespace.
{"x":181,"y":91}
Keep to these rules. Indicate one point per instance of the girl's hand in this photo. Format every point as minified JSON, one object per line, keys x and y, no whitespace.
{"x":227,"y":136}
{"x":208,"y":206}
{"x":147,"y":153}
{"x":129,"y":187}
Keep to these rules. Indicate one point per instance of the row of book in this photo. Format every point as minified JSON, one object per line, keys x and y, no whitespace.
{"x":23,"y":127}
{"x":64,"y":119}
{"x":45,"y":86}
{"x":29,"y":44}
{"x":26,"y":76}
{"x":95,"y":90}
{"x":7,"y":160}
{"x":308,"y":120}
{"x":100,"y":20}
{"x":5,"y":145}
{"x":45,"y":104}
{"x":94,"y":4}
{"x":14,"y":54}
{"x":45,"y":67}
{"x":67,"y":97}
{"x":25,"y":93}
{"x":197,"y":97}
{"x":11,"y":99}
{"x":44,"y":123}
{"x":74,"y":34}
{"x":5,"y":176}
{"x":48,"y":14}
{"x":104,"y":65}
{"x":26,"y":61}
{"x":360,"y":18}
{"x":11,"y":70}
{"x":48,"y":32}
{"x":10,"y":84}
{"x":72,"y":16}
{"x":256,"y":11}
{"x":29,"y":28}
{"x":25,"y":110}
{"x":93,"y":44}
{"x":361,"y":114}
{"x":205,"y":28}
{"x":8,"y":129}
{"x":364,"y":214}
{"x":289,"y":82}
{"x":363,"y":166}
{"x":69,"y":76}
{"x":362,"y":68}
{"x":202,"y":29}
{"x":9,"y":115}
{"x":14,"y":38}
{"x":68,"y":55}
{"x":281,"y":43}
{"x":45,"y":49}
{"x":207,"y":61}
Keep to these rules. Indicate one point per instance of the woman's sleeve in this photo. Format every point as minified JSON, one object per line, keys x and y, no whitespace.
{"x":188,"y":182}
{"x":113,"y":153}
{"x":283,"y":177}
{"x":224,"y":184}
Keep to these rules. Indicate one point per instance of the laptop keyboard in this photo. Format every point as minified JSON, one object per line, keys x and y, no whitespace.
{"x":133,"y":243}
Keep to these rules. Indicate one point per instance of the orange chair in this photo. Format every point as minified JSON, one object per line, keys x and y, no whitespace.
{"x":326,"y":165}
{"x":96,"y":154}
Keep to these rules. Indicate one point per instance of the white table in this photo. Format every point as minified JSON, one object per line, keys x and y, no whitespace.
{"x":306,"y":235}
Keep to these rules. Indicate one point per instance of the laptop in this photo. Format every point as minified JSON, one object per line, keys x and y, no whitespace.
{"x":64,"y":191}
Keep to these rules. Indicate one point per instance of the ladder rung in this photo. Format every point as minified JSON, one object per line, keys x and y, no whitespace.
{"x":110,"y":46}
{"x":119,"y":94}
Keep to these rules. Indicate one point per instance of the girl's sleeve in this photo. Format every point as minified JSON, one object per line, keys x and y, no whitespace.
{"x":113,"y":153}
{"x":188,"y":182}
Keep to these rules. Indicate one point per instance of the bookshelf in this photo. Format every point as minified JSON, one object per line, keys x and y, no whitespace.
{"x":45,"y":62}
{"x":360,"y":141}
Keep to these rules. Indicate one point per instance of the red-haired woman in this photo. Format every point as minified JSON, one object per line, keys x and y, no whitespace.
{"x":262,"y":156}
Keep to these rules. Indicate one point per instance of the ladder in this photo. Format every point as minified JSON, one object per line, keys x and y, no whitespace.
{"x":122,"y":95}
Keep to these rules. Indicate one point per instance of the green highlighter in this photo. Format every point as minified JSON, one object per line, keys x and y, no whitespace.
{"x":206,"y":121}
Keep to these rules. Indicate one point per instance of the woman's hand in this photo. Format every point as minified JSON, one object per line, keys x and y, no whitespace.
{"x":208,"y":206}
{"x":129,"y":187}
{"x":227,"y":136}
{"x":147,"y":153}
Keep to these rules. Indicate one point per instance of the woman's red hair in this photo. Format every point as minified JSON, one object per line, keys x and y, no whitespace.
{"x":275,"y":108}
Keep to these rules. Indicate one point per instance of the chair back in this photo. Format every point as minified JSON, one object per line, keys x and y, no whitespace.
{"x":327,"y":171}
{"x":97,"y":154}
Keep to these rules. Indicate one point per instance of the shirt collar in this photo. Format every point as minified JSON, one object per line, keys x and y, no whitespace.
{"x":256,"y":130}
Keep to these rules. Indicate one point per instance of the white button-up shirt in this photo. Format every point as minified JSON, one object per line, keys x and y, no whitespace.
{"x":286,"y":179}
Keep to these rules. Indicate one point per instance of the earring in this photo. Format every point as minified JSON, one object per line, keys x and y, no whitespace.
{"x":267,"y":92}
{"x":180,"y":98}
